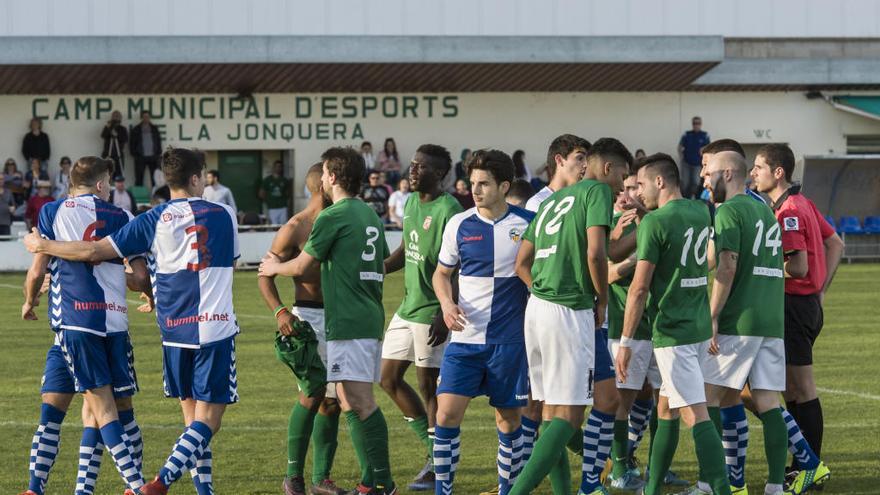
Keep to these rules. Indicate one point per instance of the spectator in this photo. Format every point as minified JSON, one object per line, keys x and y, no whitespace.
{"x":461,"y":166}
{"x":7,"y":208}
{"x":389,"y":161}
{"x":62,"y":180}
{"x":519,"y":193}
{"x":217,"y":192}
{"x":397,"y":201}
{"x":13,"y":178}
{"x":35,"y":144}
{"x":32,"y":176}
{"x":640,"y":153}
{"x":274,"y":191}
{"x":115,"y":137}
{"x":146,"y":148}
{"x":367,"y":153}
{"x":376,"y":195}
{"x":463,"y":194}
{"x":122,"y":197}
{"x":521,"y":171}
{"x":689,"y":147}
{"x":35,"y":202}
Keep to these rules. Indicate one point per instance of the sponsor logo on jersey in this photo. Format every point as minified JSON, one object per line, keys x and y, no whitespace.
{"x":412,"y":248}
{"x":414,"y":237}
{"x":791,"y":223}
{"x":69,"y":203}
{"x":166,"y":217}
{"x":335,"y":368}
{"x":472,"y":238}
{"x":515,"y":234}
{"x":427,"y":223}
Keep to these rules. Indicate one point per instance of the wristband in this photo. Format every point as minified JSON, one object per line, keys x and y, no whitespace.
{"x":625,"y":341}
{"x":279,"y":309}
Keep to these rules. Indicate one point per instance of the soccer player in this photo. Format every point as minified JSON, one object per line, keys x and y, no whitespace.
{"x":812,"y":251}
{"x":348,"y":243}
{"x":316,"y":411}
{"x":417,"y":333}
{"x":486,"y":355}
{"x":92,"y":352}
{"x":718,"y":146}
{"x":672,"y":251}
{"x":191,"y":246}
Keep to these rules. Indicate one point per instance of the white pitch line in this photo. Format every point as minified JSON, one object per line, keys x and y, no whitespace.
{"x":850,"y":393}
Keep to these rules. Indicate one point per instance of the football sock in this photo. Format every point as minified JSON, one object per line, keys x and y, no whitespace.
{"x":735,"y":439}
{"x":447,"y":445}
{"x":639,"y":417}
{"x":560,"y":473}
{"x":299,"y":430}
{"x":710,"y":456}
{"x":715,"y":416}
{"x":133,"y":432}
{"x":324,"y":443}
{"x":620,"y":448}
{"x":663,"y":445}
{"x":598,"y":435}
{"x":187,"y":450}
{"x":118,"y":446}
{"x":652,"y":426}
{"x":420,"y":426}
{"x":548,"y":449}
{"x":44,"y":447}
{"x":775,"y":443}
{"x":202,"y":475}
{"x":798,"y":445}
{"x":356,"y":432}
{"x":376,"y":447}
{"x":509,"y":459}
{"x":529,"y":429}
{"x":812,"y":423}
{"x":90,"y":451}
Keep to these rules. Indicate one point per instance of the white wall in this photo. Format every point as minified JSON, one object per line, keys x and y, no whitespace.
{"x":740,"y":18}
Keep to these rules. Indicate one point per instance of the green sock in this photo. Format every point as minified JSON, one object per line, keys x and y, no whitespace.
{"x":663,"y":446}
{"x":775,"y":444}
{"x":560,"y":474}
{"x":715,"y":416}
{"x":545,"y":456}
{"x":420,"y":426}
{"x":652,"y":430}
{"x":710,"y":456}
{"x":356,"y":431}
{"x":376,"y":444}
{"x":576,"y":443}
{"x":619,"y":446}
{"x":324,"y":443}
{"x":299,"y":428}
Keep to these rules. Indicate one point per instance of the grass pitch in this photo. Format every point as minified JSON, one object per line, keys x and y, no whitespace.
{"x":250,"y":451}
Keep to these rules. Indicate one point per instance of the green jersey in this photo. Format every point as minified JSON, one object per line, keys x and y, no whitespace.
{"x":675,"y":238}
{"x":423,"y":225}
{"x":559,"y":232}
{"x":277,"y":191}
{"x":617,"y":300}
{"x":757,"y":298}
{"x":349,"y":241}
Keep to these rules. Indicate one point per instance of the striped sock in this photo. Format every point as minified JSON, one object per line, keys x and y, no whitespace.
{"x":201,"y":473}
{"x":446,"y":452}
{"x":639,"y":416}
{"x":797,"y":444}
{"x":90,"y":451}
{"x":44,"y":447}
{"x":598,"y":435}
{"x":529,"y":430}
{"x":509,"y":459}
{"x":120,"y":448}
{"x":189,"y":447}
{"x":133,"y":432}
{"x":735,"y":439}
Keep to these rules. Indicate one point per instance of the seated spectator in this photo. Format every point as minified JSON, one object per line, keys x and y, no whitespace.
{"x":460,"y":167}
{"x":35,"y":145}
{"x":35,"y":203}
{"x":14,"y":179}
{"x":122,"y":197}
{"x":520,"y":170}
{"x":376,"y":195}
{"x":32,"y":176}
{"x":463,"y":194}
{"x":217,"y":192}
{"x":7,"y":207}
{"x":519,"y":193}
{"x":62,"y":180}
{"x":367,"y":153}
{"x":397,"y":201}
{"x":389,"y":161}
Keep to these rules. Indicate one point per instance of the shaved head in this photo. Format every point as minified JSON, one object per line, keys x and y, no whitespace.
{"x":730,"y":160}
{"x":313,"y":178}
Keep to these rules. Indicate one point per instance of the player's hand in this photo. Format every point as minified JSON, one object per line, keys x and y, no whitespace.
{"x":713,"y":344}
{"x":621,"y":365}
{"x":45,"y":287}
{"x":32,"y":241}
{"x":626,"y":219}
{"x":454,"y":318}
{"x":438,"y":332}
{"x":27,"y":311}
{"x":285,"y":322}
{"x":269,"y":265}
{"x":148,"y":305}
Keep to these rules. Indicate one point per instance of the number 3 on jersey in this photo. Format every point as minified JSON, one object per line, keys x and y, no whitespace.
{"x":369,"y":253}
{"x":203,"y":255}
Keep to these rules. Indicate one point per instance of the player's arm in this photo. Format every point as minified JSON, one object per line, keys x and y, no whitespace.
{"x":525,"y":258}
{"x":453,"y":316}
{"x":302,"y":266}
{"x":597,"y":261}
{"x":621,"y":270}
{"x":833,"y":252}
{"x":727,"y":262}
{"x":636,"y":297}
{"x":284,"y":245}
{"x":32,"y":283}
{"x":396,"y":260}
{"x":796,"y":265}
{"x":87,"y":251}
{"x":139,"y":278}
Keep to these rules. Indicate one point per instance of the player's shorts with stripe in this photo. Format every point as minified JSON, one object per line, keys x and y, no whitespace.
{"x":681,"y":370}
{"x":758,"y":360}
{"x":604,"y":362}
{"x":315,"y":316}
{"x":56,"y":375}
{"x":93,"y":361}
{"x":499,"y":371}
{"x":207,"y":374}
{"x":355,"y":360}
{"x":642,"y":364}
{"x":560,"y":340}
{"x":408,"y":341}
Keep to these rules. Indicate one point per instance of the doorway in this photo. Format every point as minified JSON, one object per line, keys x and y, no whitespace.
{"x":241,"y":171}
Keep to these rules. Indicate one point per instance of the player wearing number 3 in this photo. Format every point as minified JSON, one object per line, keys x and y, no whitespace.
{"x":191,"y":247}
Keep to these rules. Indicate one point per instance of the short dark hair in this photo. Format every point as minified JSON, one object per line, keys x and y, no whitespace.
{"x":608,"y":148}
{"x":440,"y":155}
{"x":720,"y":145}
{"x":564,"y":145}
{"x":663,"y":165}
{"x":779,"y":155}
{"x":89,"y":169}
{"x":215,"y":173}
{"x":348,"y":167}
{"x":496,"y":162}
{"x":520,"y":188}
{"x":64,"y":158}
{"x":145,"y":112}
{"x":366,"y":143}
{"x":180,"y":164}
